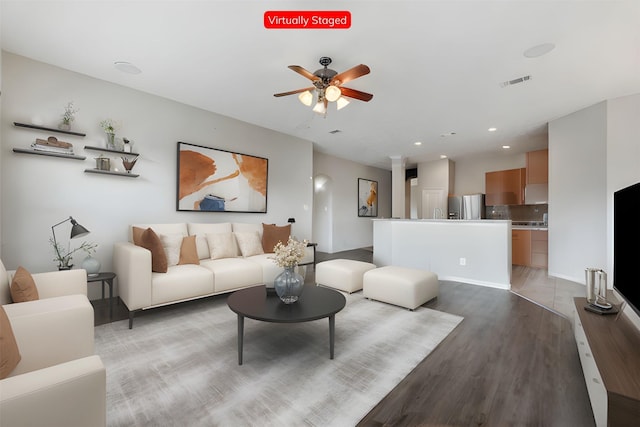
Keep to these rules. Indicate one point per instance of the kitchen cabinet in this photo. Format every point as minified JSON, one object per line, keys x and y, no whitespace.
{"x":505,"y":187}
{"x":538,"y":167}
{"x":521,"y":247}
{"x":539,"y":248}
{"x":529,"y":248}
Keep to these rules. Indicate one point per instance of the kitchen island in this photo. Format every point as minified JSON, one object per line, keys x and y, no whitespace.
{"x":470,"y":251}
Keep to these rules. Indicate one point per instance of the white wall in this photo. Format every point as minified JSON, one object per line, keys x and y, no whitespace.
{"x":470,"y":171}
{"x":39,"y":191}
{"x":623,"y":154}
{"x":346,"y":230}
{"x":578,"y":192}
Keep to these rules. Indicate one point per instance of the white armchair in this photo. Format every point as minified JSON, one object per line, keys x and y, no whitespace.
{"x":59,"y":381}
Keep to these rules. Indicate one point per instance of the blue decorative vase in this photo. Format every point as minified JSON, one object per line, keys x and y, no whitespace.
{"x":91,"y":265}
{"x":289,"y":285}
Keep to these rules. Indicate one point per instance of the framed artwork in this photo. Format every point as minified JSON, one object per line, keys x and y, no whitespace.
{"x":213,"y":180}
{"x":367,"y":197}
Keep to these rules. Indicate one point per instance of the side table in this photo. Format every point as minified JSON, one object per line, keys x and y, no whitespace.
{"x":314,"y":245}
{"x":107,"y":278}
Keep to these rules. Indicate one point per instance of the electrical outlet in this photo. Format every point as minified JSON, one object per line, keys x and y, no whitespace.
{"x":463,"y":261}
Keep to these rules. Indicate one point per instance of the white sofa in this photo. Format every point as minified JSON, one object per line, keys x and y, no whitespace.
{"x":140,"y":288}
{"x":59,"y":381}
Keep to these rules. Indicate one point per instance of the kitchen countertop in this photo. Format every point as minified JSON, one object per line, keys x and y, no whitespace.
{"x":529,"y":227}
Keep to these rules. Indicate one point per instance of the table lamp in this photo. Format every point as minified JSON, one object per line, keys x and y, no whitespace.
{"x":76,"y":231}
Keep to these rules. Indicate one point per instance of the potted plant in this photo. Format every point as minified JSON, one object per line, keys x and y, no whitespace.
{"x":109,"y":127}
{"x":64,"y":257}
{"x":67,"y":117}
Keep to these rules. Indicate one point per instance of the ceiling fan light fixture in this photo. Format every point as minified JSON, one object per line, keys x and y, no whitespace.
{"x":319,"y":108}
{"x":342,"y":102}
{"x":306,"y":98}
{"x":332,"y":93}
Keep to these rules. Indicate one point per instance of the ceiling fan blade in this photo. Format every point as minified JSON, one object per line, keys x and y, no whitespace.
{"x":352,"y":93}
{"x":293,"y":92}
{"x":303,"y":72}
{"x":351,"y":74}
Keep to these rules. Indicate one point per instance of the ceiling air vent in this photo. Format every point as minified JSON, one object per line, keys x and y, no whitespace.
{"x":515,"y":81}
{"x":335,"y":131}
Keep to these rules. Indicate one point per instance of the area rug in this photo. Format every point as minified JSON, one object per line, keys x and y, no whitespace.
{"x":178,"y":366}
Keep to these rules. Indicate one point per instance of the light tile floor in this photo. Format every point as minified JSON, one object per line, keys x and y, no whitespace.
{"x":553,"y":293}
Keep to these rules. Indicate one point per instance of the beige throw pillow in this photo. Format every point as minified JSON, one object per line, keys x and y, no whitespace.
{"x":23,"y":288}
{"x":189,"y":251}
{"x":222,"y":245}
{"x":171,"y":244}
{"x":9,"y":354}
{"x":249,"y":242}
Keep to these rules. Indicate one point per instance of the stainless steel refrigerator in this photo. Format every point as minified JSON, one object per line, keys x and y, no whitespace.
{"x":470,"y":206}
{"x":473,"y":206}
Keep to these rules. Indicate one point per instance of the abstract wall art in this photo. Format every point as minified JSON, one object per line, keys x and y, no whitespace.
{"x":214,"y":180}
{"x":367,"y":197}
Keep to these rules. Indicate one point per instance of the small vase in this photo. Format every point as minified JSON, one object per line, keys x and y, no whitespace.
{"x":111,"y":141}
{"x":91,"y":265}
{"x":289,"y":285}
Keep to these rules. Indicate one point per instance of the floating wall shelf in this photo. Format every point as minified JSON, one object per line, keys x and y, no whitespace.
{"x":68,"y":132}
{"x":107,"y":150}
{"x":46,"y":153}
{"x":128,"y":175}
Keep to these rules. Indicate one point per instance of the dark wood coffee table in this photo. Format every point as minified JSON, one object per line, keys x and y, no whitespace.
{"x":259,"y":304}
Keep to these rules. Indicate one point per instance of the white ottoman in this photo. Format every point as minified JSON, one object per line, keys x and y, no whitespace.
{"x":342,"y":274}
{"x":406,"y":287}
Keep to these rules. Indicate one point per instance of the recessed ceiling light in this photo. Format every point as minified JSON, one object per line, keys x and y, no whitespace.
{"x":539,"y":50}
{"x":127,"y":67}
{"x":417,"y":143}
{"x":506,"y":147}
{"x":444,"y":135}
{"x":492,"y":129}
{"x":443,"y":156}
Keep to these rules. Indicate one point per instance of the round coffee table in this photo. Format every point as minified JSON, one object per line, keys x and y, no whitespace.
{"x":259,"y":304}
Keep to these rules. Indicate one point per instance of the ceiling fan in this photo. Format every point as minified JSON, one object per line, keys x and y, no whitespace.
{"x":327,"y":84}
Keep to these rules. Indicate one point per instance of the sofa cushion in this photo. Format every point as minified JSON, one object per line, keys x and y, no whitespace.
{"x":233,"y":273}
{"x":247,"y":227}
{"x":150,"y":241}
{"x":169,"y":228}
{"x":181,"y":282}
{"x":201,"y":231}
{"x":249,"y":242}
{"x":171,"y":244}
{"x":23,"y":288}
{"x":189,"y":251}
{"x":272,"y":234}
{"x":9,"y":353}
{"x":222,"y":245}
{"x":269,"y":268}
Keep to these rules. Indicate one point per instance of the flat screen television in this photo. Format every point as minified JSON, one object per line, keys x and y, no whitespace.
{"x":626,"y":239}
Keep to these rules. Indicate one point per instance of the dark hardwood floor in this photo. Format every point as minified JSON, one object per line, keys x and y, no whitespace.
{"x":509,"y":363}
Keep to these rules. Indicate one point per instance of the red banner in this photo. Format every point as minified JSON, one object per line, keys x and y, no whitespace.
{"x":307,"y":20}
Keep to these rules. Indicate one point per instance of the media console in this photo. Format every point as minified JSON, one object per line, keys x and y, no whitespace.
{"x":609,"y":349}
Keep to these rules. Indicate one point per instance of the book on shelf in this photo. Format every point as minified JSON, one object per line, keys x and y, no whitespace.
{"x":52,"y":145}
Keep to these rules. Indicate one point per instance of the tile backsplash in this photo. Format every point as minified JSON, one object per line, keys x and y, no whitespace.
{"x":517,"y":212}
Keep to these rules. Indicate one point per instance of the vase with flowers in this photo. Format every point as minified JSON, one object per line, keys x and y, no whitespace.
{"x":67,"y":117}
{"x":289,"y":284}
{"x":109,"y":127}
